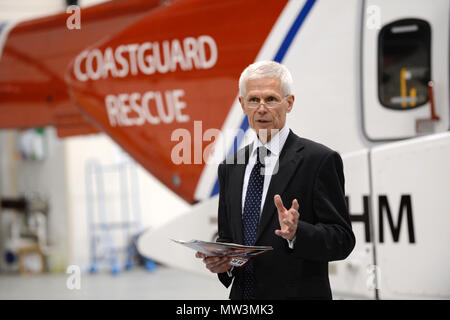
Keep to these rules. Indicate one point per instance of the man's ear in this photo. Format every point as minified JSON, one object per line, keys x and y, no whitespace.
{"x":290,"y":99}
{"x":241,"y":101}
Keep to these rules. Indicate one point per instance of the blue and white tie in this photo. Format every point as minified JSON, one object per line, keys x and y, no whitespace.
{"x":250,"y":217}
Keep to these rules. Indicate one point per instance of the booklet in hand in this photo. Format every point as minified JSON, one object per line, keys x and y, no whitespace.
{"x":240,"y":254}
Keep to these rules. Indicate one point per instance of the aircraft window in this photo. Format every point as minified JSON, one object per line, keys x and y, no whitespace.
{"x":404,"y":64}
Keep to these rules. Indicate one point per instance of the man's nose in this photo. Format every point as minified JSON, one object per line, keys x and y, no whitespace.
{"x":261,"y":108}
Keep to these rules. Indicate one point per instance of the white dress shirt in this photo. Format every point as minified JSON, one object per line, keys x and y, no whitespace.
{"x":275,"y":145}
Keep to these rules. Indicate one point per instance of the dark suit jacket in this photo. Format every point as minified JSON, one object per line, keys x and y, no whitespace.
{"x":312,"y":174}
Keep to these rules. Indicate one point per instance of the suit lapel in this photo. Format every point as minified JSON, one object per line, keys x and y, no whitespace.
{"x":290,"y":158}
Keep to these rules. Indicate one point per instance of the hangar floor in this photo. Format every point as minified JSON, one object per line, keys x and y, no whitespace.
{"x":161,"y":284}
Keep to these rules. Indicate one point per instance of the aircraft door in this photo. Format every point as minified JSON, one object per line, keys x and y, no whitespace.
{"x":410,"y":183}
{"x":354,"y":277}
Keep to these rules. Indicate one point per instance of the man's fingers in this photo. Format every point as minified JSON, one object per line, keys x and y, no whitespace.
{"x":213,"y":261}
{"x":289,"y":224}
{"x":200,"y":255}
{"x":280,"y":206}
{"x":288,"y":219}
{"x":221,"y":268}
{"x":280,"y":233}
{"x":279,"y":203}
{"x":295,"y":205}
{"x":217,"y":264}
{"x":293,"y":215}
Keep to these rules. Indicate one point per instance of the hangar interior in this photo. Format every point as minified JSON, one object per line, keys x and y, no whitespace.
{"x":73,"y":206}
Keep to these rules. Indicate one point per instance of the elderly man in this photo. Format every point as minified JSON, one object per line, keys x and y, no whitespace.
{"x":289,"y":194}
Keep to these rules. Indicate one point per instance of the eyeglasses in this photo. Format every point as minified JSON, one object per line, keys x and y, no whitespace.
{"x":272,"y":102}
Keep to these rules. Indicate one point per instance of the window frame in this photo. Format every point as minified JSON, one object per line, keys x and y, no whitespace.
{"x":382,"y":31}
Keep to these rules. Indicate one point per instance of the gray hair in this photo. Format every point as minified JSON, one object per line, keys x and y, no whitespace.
{"x":266,"y":69}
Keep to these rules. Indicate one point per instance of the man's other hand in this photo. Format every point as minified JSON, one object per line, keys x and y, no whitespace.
{"x":215,"y":264}
{"x":288,"y":218}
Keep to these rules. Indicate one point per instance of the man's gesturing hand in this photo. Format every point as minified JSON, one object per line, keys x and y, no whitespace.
{"x":215,"y":264}
{"x":288,"y":218}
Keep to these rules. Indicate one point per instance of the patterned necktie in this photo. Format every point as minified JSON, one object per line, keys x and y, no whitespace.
{"x":250,"y":217}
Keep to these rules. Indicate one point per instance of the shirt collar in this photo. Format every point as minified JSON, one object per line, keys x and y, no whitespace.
{"x":276,"y":143}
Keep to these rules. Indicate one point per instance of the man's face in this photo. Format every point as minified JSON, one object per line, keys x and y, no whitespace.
{"x":261,"y":118}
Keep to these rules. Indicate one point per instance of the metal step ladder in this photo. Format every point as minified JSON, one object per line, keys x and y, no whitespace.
{"x":113,"y":236}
